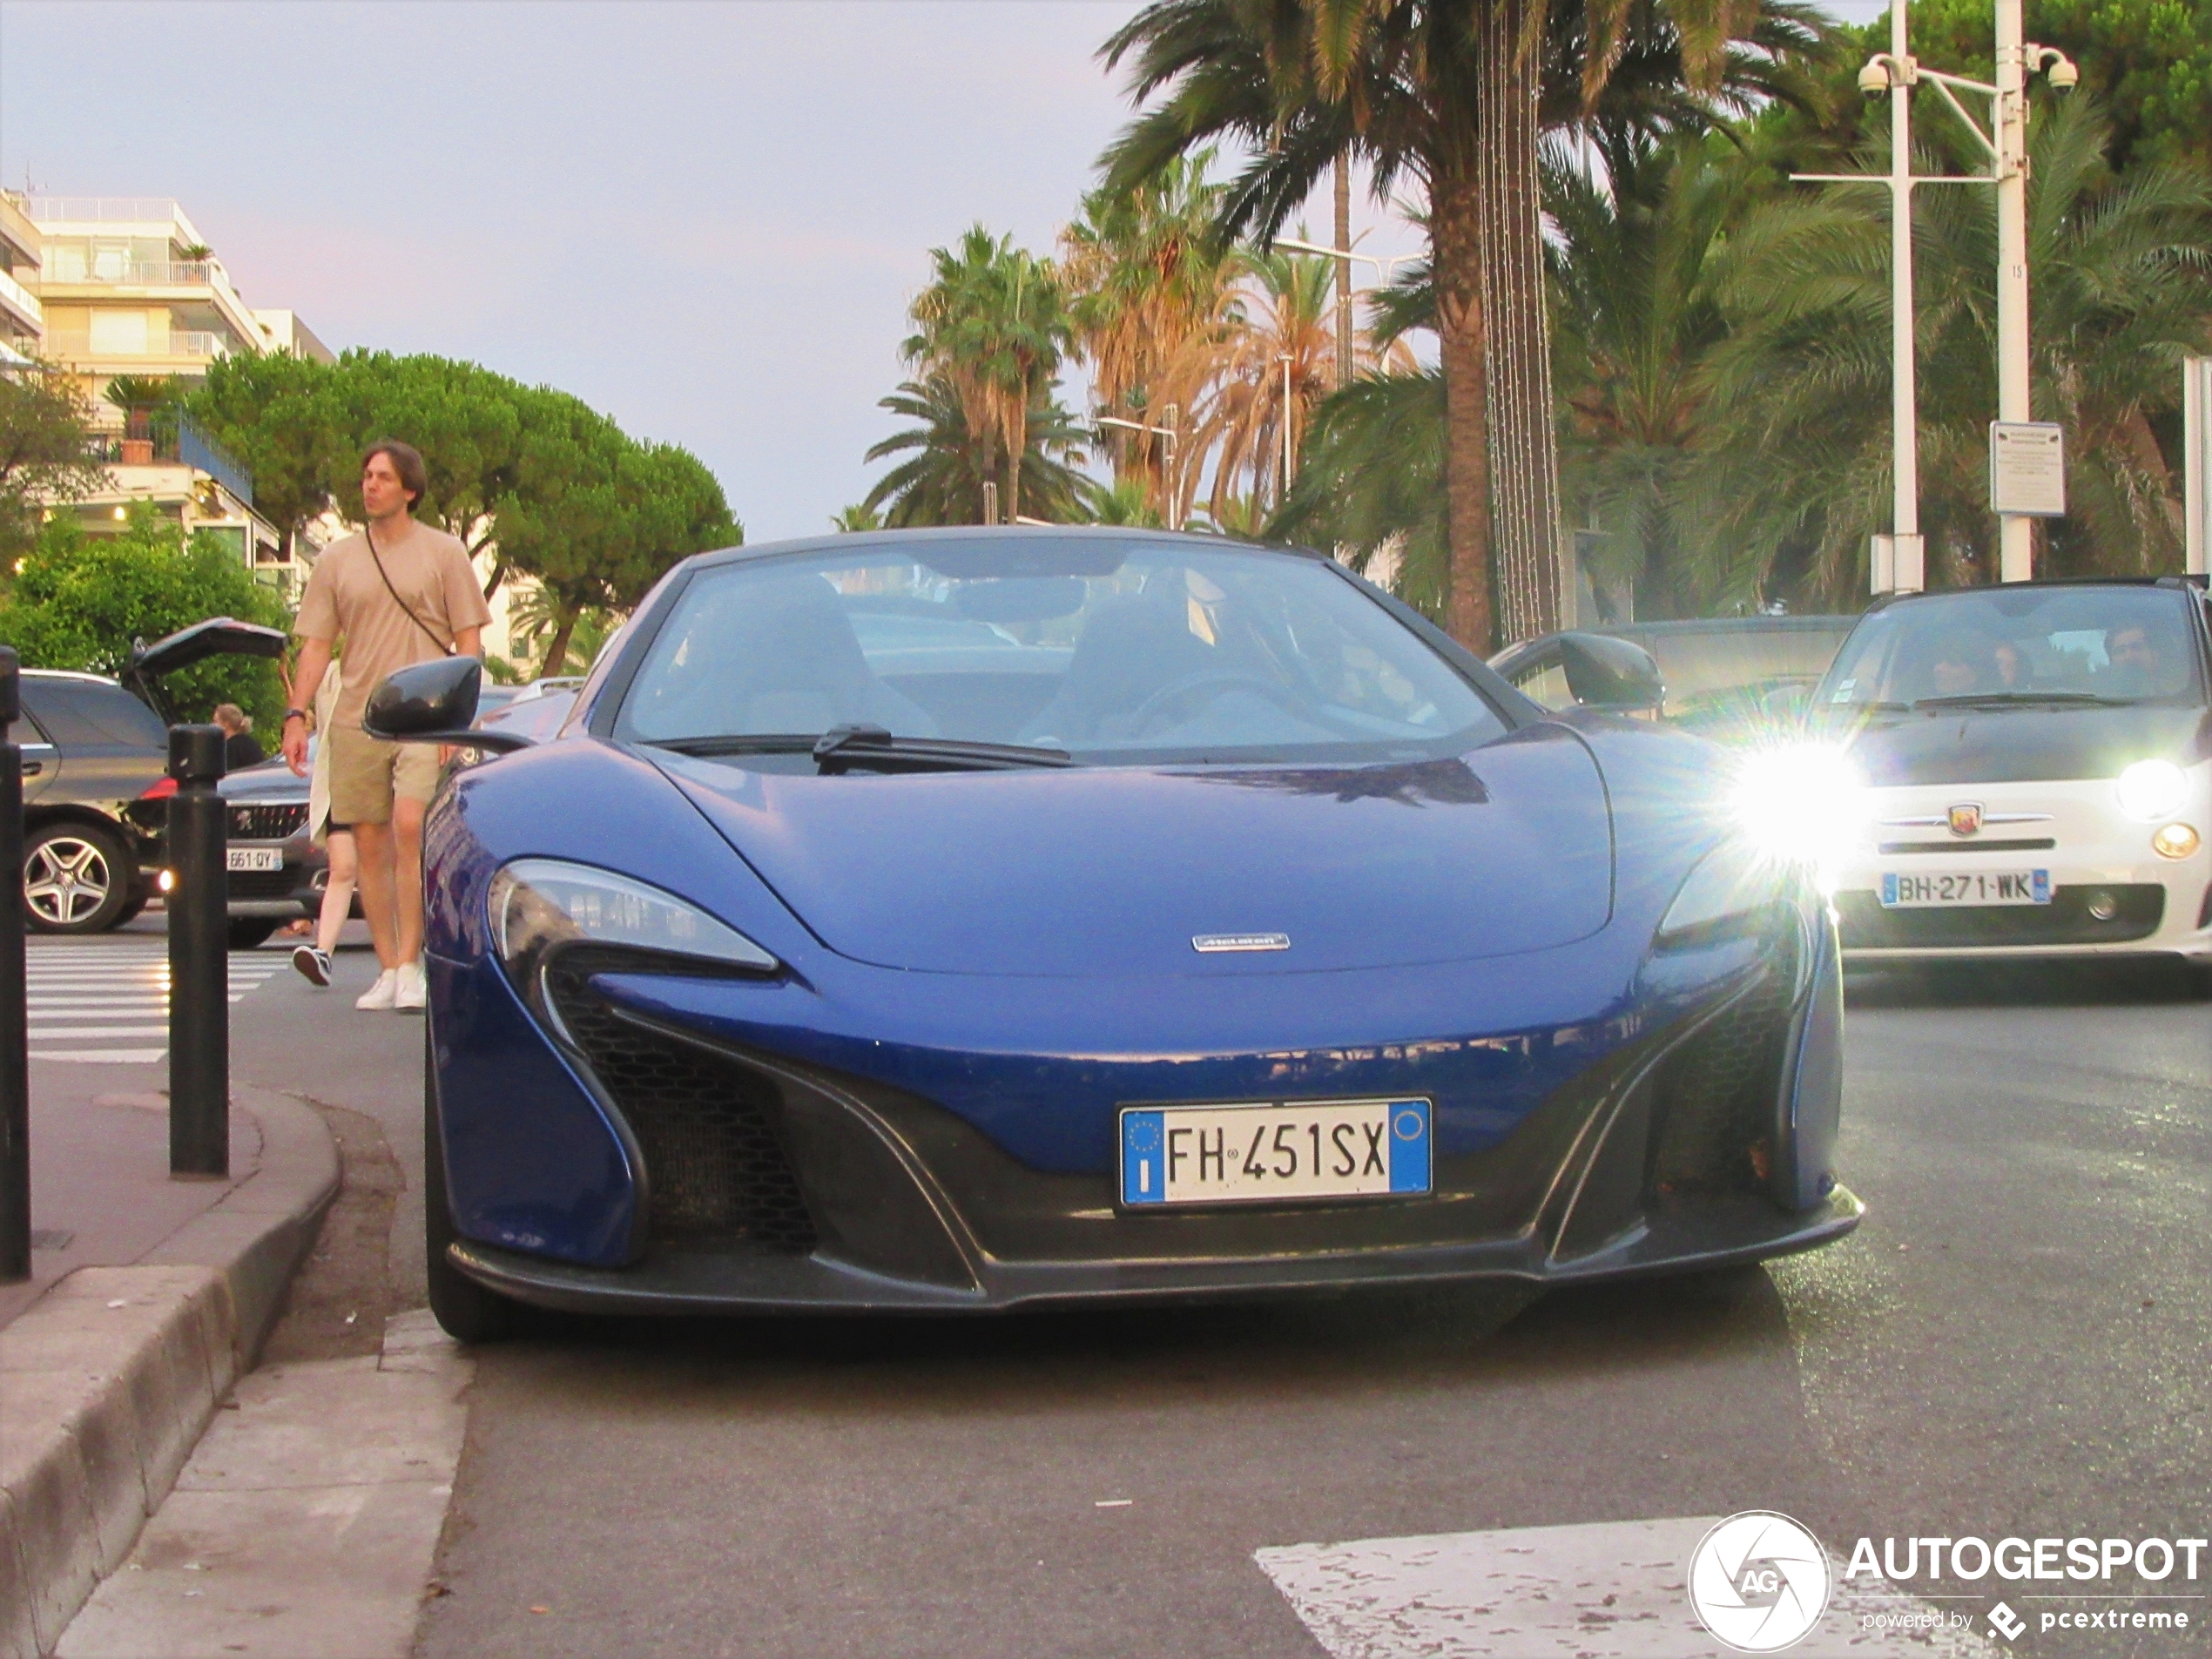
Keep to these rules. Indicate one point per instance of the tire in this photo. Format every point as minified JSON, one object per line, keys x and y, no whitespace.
{"x":249,"y":933}
{"x":77,"y":878}
{"x":465,"y":1310}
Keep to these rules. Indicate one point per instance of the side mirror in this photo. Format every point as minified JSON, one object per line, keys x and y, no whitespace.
{"x":1607,"y":673}
{"x":433,"y":703}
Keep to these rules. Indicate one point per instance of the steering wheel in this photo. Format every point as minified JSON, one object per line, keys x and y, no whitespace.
{"x":1186,"y":696}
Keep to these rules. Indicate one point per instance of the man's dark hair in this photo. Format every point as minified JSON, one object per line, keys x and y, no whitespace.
{"x":406,"y":461}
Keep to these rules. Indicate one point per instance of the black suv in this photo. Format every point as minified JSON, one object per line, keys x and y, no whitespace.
{"x":96,"y":784}
{"x":94,"y":765}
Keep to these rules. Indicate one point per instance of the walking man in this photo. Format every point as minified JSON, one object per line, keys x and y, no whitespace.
{"x":397,"y":593}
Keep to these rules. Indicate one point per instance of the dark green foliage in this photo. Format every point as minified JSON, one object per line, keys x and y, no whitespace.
{"x":81,"y":599}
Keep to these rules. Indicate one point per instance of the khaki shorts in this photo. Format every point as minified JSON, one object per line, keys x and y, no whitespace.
{"x":367,"y":773}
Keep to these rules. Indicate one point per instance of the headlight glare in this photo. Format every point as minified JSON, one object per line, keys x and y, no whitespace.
{"x":1798,"y":803}
{"x":2152,"y":789}
{"x":539,"y":905}
{"x":2174,"y":841}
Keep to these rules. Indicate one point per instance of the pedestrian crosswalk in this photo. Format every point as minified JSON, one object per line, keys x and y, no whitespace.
{"x":107,"y":1000}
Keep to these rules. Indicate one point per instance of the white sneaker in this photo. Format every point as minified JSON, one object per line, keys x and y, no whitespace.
{"x":314,"y":966}
{"x":380,"y":995}
{"x":413,"y":989}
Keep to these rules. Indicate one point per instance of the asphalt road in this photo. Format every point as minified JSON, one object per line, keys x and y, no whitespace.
{"x":2015,"y":1343}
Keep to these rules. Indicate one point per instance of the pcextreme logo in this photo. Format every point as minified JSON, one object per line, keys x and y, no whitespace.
{"x":1758,"y":1582}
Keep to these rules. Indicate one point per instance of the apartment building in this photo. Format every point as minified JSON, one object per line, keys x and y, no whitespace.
{"x":112,"y":287}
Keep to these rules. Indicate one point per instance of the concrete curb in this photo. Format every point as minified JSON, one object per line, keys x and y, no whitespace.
{"x":107,"y":1380}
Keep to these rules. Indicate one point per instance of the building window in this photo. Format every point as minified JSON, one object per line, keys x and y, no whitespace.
{"x":121,"y":333}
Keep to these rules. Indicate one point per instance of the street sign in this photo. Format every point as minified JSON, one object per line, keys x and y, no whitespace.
{"x":2027,"y":468}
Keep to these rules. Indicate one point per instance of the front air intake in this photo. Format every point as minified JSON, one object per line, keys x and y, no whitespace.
{"x":1713,"y":1110}
{"x":715,"y":1165}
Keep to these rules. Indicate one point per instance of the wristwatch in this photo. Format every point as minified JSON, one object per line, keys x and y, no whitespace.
{"x":294,"y":714}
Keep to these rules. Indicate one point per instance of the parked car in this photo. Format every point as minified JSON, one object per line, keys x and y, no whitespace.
{"x":1730,"y":679}
{"x":96,"y":788}
{"x":1183,"y":918}
{"x":94,"y":770}
{"x":2035,"y":772}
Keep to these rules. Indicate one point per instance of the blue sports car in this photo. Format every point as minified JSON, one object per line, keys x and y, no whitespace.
{"x":960,"y":920}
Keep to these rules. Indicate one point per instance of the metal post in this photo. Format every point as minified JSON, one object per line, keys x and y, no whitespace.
{"x":199,"y":1014}
{"x":2196,"y":470}
{"x":14,"y":1061}
{"x":2016,"y":558}
{"x":1906,"y":572}
{"x":1343,"y":267}
{"x":990,"y":502}
{"x":1284,"y":495}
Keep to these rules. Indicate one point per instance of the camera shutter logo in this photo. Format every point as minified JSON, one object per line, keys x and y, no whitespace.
{"x":1759,"y":1582}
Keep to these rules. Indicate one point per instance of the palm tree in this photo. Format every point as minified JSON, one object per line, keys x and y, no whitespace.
{"x":1279,"y":361}
{"x":1632,"y":264}
{"x":1450,"y":93}
{"x":992,"y":326}
{"x":848,"y":521}
{"x":947,"y":463}
{"x":1797,"y":447}
{"x":1150,"y":290}
{"x":1372,"y":484}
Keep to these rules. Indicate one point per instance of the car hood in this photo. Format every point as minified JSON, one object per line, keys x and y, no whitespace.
{"x":2026,"y":745}
{"x":271,"y":780}
{"x":1114,"y":871}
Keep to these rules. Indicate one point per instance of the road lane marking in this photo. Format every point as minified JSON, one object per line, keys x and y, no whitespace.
{"x":1607,"y":1590}
{"x":112,"y":995}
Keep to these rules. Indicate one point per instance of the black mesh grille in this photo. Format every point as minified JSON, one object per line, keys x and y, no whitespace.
{"x":267,"y":821}
{"x":1714,"y":1108}
{"x":2137,"y":909}
{"x":715,"y":1164}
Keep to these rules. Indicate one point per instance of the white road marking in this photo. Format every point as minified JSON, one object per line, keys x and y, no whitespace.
{"x":116,"y":995}
{"x":1610,"y":1590}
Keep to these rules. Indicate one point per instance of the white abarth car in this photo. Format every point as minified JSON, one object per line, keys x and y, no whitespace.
{"x":2036,"y":763}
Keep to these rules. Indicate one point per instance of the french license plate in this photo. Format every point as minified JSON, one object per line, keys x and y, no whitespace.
{"x":1277,"y":1152}
{"x":1972,"y":887}
{"x":254,"y":858}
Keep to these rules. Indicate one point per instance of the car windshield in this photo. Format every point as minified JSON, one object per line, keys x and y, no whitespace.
{"x":1100,"y":647}
{"x":2029,"y":646}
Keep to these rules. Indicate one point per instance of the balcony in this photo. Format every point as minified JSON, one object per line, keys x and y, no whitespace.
{"x":19,"y":307}
{"x":75,"y":346}
{"x":101,"y":210}
{"x":103,"y":272}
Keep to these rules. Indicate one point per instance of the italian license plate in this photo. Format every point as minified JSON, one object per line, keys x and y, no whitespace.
{"x":1278,"y":1152}
{"x":1972,"y":887}
{"x":254,"y":858}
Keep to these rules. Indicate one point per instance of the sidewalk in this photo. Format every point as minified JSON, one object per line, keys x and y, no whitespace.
{"x":150,"y":1296}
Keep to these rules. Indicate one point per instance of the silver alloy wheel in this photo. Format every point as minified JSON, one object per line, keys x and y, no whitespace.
{"x":66,"y":879}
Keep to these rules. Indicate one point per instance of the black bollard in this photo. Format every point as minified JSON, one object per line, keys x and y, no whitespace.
{"x":199,"y":1009}
{"x":14,"y":1061}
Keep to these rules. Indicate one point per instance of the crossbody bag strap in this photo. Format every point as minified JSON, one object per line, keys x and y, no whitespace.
{"x":428,"y":632}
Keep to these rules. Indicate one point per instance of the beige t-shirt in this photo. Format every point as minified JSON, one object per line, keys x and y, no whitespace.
{"x":347,"y":600}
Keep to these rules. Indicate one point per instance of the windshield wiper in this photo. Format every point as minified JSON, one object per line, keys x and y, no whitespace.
{"x":2003,"y":699}
{"x":754,"y":743}
{"x":872,"y":748}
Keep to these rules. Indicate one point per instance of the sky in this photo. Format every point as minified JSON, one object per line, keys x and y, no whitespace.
{"x":706,"y":219}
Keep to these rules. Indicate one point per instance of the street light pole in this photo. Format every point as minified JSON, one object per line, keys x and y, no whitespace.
{"x":2016,"y":535}
{"x":1897,"y":71}
{"x":1908,"y":564}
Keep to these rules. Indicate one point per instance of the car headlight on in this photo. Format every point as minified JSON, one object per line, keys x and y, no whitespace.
{"x":2152,"y":789}
{"x":1725,"y":893}
{"x":540,"y":908}
{"x":1797,"y":803}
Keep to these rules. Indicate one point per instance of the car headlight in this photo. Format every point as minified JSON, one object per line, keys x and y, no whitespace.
{"x":539,"y":907}
{"x":2152,"y":789}
{"x":1725,"y":893}
{"x":1797,"y":803}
